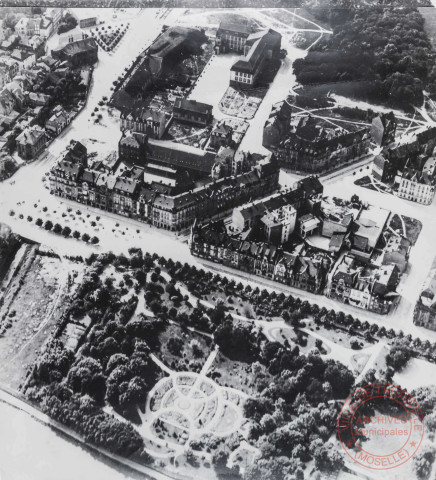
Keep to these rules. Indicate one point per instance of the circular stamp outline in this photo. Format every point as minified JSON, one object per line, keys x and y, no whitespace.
{"x":406,"y":400}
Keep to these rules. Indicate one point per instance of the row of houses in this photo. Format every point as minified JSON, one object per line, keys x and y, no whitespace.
{"x":304,"y":269}
{"x":42,"y":25}
{"x":129,"y":193}
{"x":410,"y":167}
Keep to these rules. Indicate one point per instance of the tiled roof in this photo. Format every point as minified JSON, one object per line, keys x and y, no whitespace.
{"x":193,"y":106}
{"x":240,"y":28}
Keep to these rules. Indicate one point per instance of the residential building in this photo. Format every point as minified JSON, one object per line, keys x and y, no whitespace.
{"x":383,"y":128}
{"x":383,"y":170}
{"x":300,"y":269}
{"x":223,"y":163}
{"x":260,"y":48}
{"x":30,"y":143}
{"x":221,"y":135}
{"x":37,"y":99}
{"x":424,"y":314}
{"x":278,"y":124}
{"x":55,"y":15}
{"x":418,"y":180}
{"x":132,"y":147}
{"x":308,"y":225}
{"x":58,"y":121}
{"x":231,"y":36}
{"x":24,"y":58}
{"x":364,"y":286}
{"x":193,"y":112}
{"x":11,"y":65}
{"x":144,"y":120}
{"x":4,"y":76}
{"x":299,"y":197}
{"x":148,"y":193}
{"x":279,"y":224}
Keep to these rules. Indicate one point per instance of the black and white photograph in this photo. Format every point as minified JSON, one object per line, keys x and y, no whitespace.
{"x":217,"y":240}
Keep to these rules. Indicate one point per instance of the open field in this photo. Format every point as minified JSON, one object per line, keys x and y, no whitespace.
{"x":429,"y":15}
{"x":32,"y":304}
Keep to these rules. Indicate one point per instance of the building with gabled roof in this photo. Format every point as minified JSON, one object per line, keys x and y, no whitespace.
{"x":231,"y":36}
{"x":308,"y":144}
{"x":144,"y":120}
{"x":78,"y":53}
{"x":30,"y":143}
{"x":418,"y":180}
{"x":192,"y":112}
{"x":260,"y":48}
{"x":383,"y":128}
{"x":364,"y":286}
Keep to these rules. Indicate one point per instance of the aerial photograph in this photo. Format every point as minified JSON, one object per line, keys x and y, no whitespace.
{"x":217,"y":240}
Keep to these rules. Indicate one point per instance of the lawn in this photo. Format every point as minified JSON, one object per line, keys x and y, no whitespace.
{"x":412,"y":225}
{"x":429,"y":15}
{"x":33,"y":302}
{"x":190,"y":355}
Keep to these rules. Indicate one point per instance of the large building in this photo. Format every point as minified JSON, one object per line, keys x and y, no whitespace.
{"x":139,"y":149}
{"x":144,"y":120}
{"x":190,"y":111}
{"x":78,"y":53}
{"x":260,"y":48}
{"x":231,"y":36}
{"x":173,"y":46}
{"x":308,"y":144}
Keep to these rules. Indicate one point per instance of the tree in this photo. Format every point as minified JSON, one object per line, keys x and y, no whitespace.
{"x":39,"y":222}
{"x":340,"y":378}
{"x":85,"y":237}
{"x":399,"y":355}
{"x":66,"y":231}
{"x":95,"y":240}
{"x":57,"y":228}
{"x":175,"y":345}
{"x":48,"y":225}
{"x":76,"y":234}
{"x":423,"y":461}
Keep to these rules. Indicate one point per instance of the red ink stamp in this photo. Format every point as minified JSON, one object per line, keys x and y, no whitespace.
{"x":380,"y":426}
